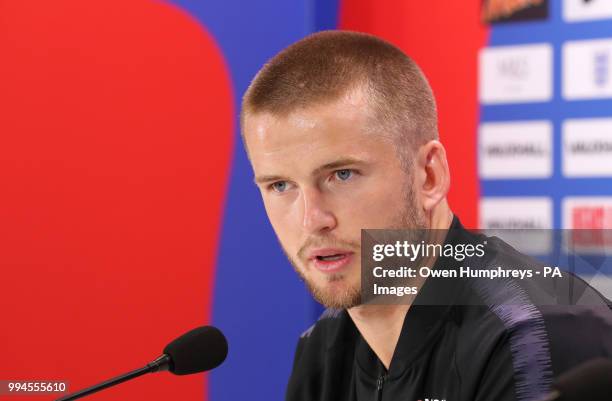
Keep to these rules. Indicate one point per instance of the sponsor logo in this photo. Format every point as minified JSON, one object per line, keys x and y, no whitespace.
{"x":515,"y":150}
{"x":601,"y":63}
{"x":590,"y":219}
{"x":585,"y":10}
{"x":592,"y":213}
{"x":587,"y":147}
{"x":513,"y":68}
{"x":591,"y":147}
{"x":586,"y":69}
{"x":515,"y":74}
{"x":591,"y":216}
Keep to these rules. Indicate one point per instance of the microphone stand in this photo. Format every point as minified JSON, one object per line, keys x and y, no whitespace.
{"x":159,"y":364}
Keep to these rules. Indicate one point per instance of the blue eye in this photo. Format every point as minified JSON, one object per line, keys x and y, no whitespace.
{"x":279,"y":186}
{"x":344,"y":174}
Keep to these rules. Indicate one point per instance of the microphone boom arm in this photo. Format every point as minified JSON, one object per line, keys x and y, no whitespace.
{"x":159,"y":364}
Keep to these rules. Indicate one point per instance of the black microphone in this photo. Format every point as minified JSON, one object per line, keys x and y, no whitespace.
{"x":199,"y":350}
{"x":588,"y":381}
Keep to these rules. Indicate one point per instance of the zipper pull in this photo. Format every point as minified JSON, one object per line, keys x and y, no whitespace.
{"x":379,"y":386}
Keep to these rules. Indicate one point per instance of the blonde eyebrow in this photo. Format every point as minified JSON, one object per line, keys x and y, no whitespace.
{"x":268,"y":178}
{"x":344,"y":162}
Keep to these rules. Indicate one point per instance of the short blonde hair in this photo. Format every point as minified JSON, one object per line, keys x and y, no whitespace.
{"x":325,"y":65}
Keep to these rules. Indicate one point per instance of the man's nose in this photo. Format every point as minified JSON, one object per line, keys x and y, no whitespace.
{"x":317,"y":217}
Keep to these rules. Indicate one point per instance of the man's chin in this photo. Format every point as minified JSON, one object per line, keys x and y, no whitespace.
{"x":335,"y":293}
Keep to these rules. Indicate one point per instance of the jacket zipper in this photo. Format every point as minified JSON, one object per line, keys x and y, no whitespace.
{"x":380,"y":382}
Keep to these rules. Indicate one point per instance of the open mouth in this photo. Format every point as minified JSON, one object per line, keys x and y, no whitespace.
{"x":329,"y":262}
{"x":330,"y":258}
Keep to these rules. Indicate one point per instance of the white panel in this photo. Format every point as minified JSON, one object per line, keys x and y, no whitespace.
{"x":515,"y":74}
{"x":521,"y":149}
{"x":513,"y":218}
{"x":515,"y":212}
{"x":587,"y":147}
{"x":582,"y":10}
{"x":586,"y":69}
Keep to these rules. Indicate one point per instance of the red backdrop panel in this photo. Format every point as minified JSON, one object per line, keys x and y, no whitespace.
{"x":443,"y":37}
{"x":115,"y":144}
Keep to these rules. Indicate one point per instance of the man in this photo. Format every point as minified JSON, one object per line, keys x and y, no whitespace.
{"x":341,"y":131}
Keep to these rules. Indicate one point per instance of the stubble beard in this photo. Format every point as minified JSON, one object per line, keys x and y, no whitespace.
{"x":338,"y":292}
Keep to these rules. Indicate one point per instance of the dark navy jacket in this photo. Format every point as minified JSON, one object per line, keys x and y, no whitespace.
{"x":501,"y":340}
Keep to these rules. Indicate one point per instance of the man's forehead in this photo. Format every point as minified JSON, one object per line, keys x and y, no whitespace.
{"x":345,"y":118}
{"x":307,"y":141}
{"x":269,"y":131}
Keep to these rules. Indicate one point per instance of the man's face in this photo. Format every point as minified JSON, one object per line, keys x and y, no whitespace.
{"x":323,"y":176}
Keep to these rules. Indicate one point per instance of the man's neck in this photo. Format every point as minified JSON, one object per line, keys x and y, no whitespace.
{"x":381,"y":325}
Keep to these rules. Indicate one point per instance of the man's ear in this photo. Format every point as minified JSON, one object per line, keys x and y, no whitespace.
{"x":432,"y":178}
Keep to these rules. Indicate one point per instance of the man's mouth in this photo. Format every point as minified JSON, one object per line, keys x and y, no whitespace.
{"x":330,"y":260}
{"x":337,"y":256}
